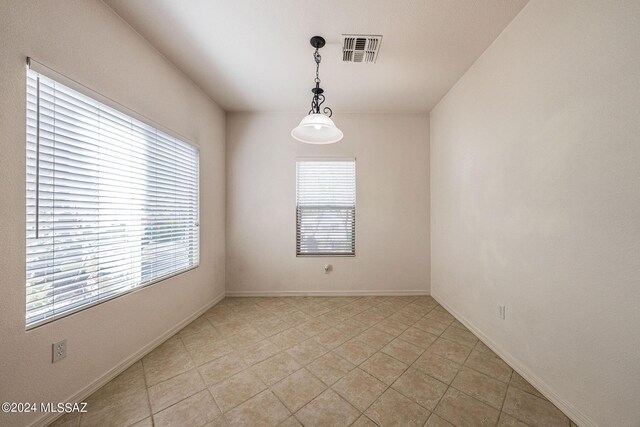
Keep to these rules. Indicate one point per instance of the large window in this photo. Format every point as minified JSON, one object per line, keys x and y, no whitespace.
{"x":326,"y":207}
{"x":112,"y":203}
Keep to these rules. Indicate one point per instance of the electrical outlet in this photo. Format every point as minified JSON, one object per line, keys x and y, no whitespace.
{"x":59,"y":350}
{"x":501,"y":311}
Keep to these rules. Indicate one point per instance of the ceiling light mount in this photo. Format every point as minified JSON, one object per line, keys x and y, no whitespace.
{"x":317,"y":42}
{"x":317,"y":127}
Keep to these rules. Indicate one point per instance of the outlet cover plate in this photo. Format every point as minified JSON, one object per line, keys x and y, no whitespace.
{"x":501,"y":311}
{"x":59,"y":350}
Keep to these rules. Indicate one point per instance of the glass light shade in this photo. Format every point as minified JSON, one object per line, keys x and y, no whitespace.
{"x":317,"y":129}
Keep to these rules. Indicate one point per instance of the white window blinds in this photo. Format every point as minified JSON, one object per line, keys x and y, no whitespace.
{"x":326,"y":207}
{"x":112,"y":203}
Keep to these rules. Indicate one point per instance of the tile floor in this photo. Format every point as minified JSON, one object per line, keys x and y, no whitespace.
{"x":321,"y":361}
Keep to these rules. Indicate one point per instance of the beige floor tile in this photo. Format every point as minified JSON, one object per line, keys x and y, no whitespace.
{"x":71,"y":419}
{"x":193,"y":411}
{"x":272,"y":326}
{"x":480,"y":386}
{"x":402,"y":350}
{"x":306,"y":352}
{"x":230,"y":327}
{"x":426,"y":301}
{"x":201,"y":324}
{"x":295,"y":317}
{"x":201,"y":337}
{"x":359,"y":388}
{"x":533,"y":410}
{"x":147,"y":422}
{"x":375,"y":338}
{"x":408,"y":314}
{"x":298,"y":389}
{"x":416,"y":309}
{"x":438,"y":367}
{"x":117,"y":410}
{"x":364,"y":421}
{"x":449,"y":349}
{"x":330,"y":368}
{"x":426,"y":391}
{"x":217,"y":422}
{"x":316,"y":310}
{"x":462,"y":410}
{"x":508,"y":421}
{"x":355,"y":351}
{"x":518,"y":382}
{"x":287,"y":339}
{"x":394,"y":409}
{"x":370,"y":316}
{"x":489,"y":365}
{"x":384,"y":367}
{"x":430,"y":325}
{"x":331,"y":338}
{"x":313,"y":327}
{"x":237,"y":389}
{"x":206,"y":350}
{"x":128,"y":382}
{"x":290,"y":422}
{"x":441,"y":315}
{"x":245,"y":338}
{"x":166,"y":393}
{"x":331,"y":319}
{"x":435,"y":421}
{"x":276,"y":368}
{"x":482,"y":347}
{"x":456,"y":324}
{"x":262,"y":410}
{"x":259,"y":352}
{"x":418,"y":337}
{"x":166,"y":361}
{"x":351,"y":327}
{"x":222,"y":368}
{"x":327,"y":410}
{"x":392,"y":326}
{"x":122,"y":401}
{"x":461,"y":337}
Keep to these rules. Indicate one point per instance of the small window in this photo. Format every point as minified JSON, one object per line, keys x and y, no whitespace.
{"x":111,"y":203}
{"x":326,"y":207}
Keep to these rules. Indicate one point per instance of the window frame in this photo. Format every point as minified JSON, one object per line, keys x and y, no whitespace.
{"x":132,"y":114}
{"x":354,"y":208}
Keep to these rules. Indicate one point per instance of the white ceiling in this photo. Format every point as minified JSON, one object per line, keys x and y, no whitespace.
{"x":254,"y":55}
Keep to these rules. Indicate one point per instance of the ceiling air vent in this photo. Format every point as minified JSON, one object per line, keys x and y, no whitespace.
{"x":360,"y":48}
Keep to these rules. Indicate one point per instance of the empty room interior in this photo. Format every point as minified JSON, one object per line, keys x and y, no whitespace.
{"x":320,"y":213}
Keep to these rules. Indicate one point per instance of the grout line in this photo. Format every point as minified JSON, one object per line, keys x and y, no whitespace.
{"x":146,"y":392}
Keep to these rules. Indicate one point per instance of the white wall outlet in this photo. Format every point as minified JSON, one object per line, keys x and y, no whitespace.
{"x":501,"y":311}
{"x":327,"y":268}
{"x":59,"y":350}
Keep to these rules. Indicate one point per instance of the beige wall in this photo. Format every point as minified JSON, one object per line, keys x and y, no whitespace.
{"x":86,"y":41}
{"x":392,"y":230}
{"x":535,"y":194}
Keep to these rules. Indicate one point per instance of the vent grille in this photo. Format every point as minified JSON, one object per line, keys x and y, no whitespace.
{"x":360,"y":48}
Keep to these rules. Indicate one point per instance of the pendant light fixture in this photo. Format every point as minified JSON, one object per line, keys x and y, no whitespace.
{"x":317,"y":127}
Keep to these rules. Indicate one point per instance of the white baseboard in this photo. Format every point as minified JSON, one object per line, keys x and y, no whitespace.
{"x":325,"y":293}
{"x":569,"y":410}
{"x":122,"y":366}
